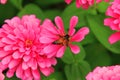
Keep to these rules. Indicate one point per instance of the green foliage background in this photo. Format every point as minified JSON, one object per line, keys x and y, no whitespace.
{"x":95,"y":48}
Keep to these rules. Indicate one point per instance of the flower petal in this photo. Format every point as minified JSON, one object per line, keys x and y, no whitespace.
{"x":75,"y":49}
{"x":47,"y":71}
{"x":13,"y":63}
{"x":51,"y":48}
{"x":47,"y":24}
{"x":36,"y":74}
{"x":2,"y":77}
{"x":68,"y":1}
{"x":114,"y":37}
{"x":61,"y":51}
{"x":28,"y":72}
{"x":24,"y":66}
{"x":6,"y":60}
{"x":19,"y":71}
{"x":79,"y":36}
{"x":46,"y":40}
{"x":73,"y":23}
{"x":59,"y":24}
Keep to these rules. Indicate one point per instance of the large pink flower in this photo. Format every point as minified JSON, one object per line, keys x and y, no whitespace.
{"x":57,"y":40}
{"x":82,"y":3}
{"x":114,"y":21}
{"x":105,"y":73}
{"x":20,"y":49}
{"x":3,"y":1}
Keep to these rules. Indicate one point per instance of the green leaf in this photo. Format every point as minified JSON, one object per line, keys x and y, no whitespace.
{"x":80,"y":56}
{"x":55,"y":76}
{"x":102,"y":32}
{"x":17,"y":3}
{"x":51,"y":14}
{"x":102,"y":7}
{"x":32,"y":9}
{"x":7,"y":11}
{"x":97,"y":55}
{"x":68,"y":56}
{"x":45,"y":2}
{"x":77,"y":71}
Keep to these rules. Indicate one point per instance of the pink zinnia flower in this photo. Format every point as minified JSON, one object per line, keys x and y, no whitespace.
{"x":20,"y":49}
{"x":57,"y":40}
{"x":105,"y":73}
{"x":3,"y":1}
{"x":114,"y":21}
{"x":82,"y":3}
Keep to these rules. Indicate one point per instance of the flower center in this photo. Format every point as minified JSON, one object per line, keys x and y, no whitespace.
{"x":28,"y":43}
{"x":63,"y":40}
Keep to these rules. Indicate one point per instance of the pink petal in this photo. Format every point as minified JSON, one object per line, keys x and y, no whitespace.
{"x":51,"y":48}
{"x":6,"y":60}
{"x":59,"y":24}
{"x":24,"y":66}
{"x":68,"y":1}
{"x":98,"y":1}
{"x":108,"y":21}
{"x":47,"y":71}
{"x":28,"y":72}
{"x":3,"y":1}
{"x":54,"y":61}
{"x":75,"y":49}
{"x":19,"y":71}
{"x":36,"y":74}
{"x":3,"y":67}
{"x":8,"y":47}
{"x":78,"y":3}
{"x":32,"y":63}
{"x":4,"y":53}
{"x":10,"y":72}
{"x":79,"y":36}
{"x":61,"y":51}
{"x":73,"y":23}
{"x":52,"y":54}
{"x":46,"y":40}
{"x":47,"y":24}
{"x":2,"y":77}
{"x":13,"y":63}
{"x":34,"y":66}
{"x":114,"y":37}
{"x":26,"y":58}
{"x":7,"y":41}
{"x":49,"y":34}
{"x":42,"y":64}
{"x":16,"y":55}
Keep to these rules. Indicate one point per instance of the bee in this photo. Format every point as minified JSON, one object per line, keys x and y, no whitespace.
{"x":63,"y":40}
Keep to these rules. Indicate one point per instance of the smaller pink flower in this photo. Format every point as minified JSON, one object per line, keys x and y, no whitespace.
{"x":105,"y":73}
{"x":3,"y":1}
{"x":82,"y":3}
{"x":57,"y":40}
